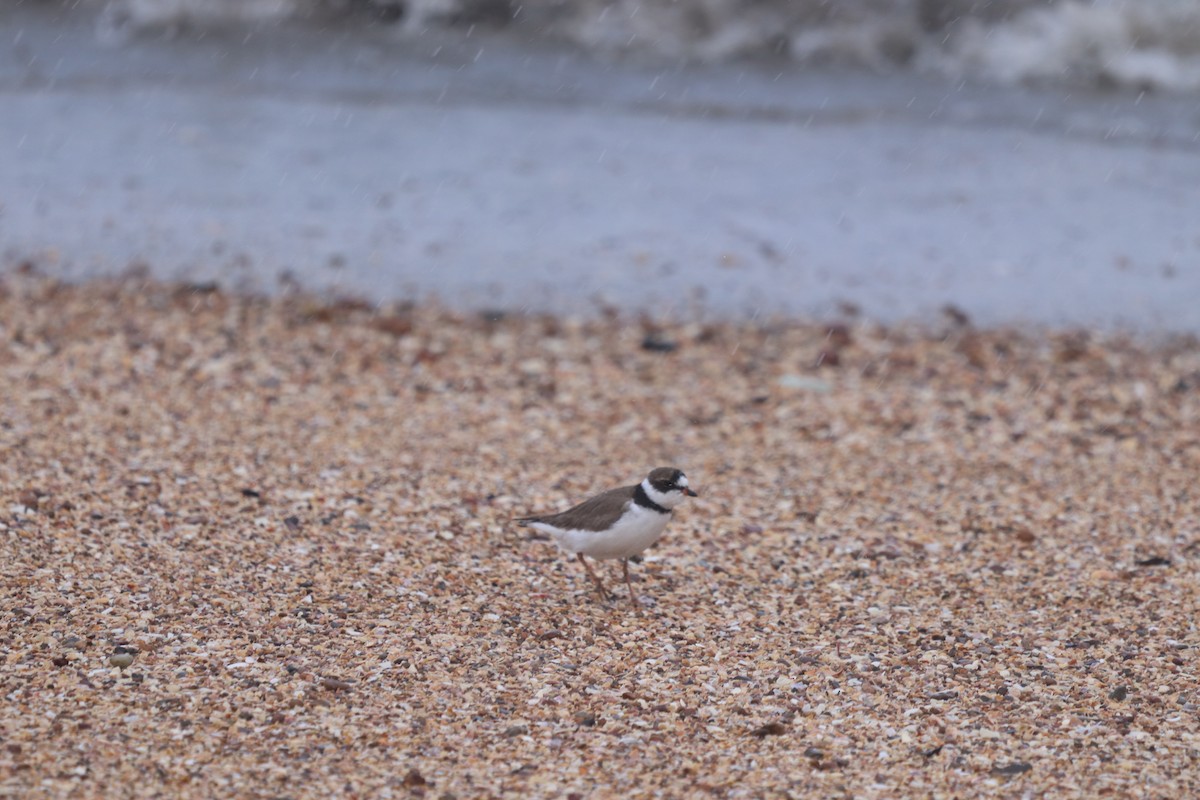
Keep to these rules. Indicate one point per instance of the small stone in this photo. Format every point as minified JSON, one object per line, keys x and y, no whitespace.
{"x":122,"y":656}
{"x":414,"y":779}
{"x":957,"y":317}
{"x":804,"y":382}
{"x":828,"y":358}
{"x":1015,"y":768}
{"x":397,"y":326}
{"x":838,"y":335}
{"x":656,"y":344}
{"x":769,"y":729}
{"x":1119,"y":693}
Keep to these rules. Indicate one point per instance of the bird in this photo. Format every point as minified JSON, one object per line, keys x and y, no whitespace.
{"x":619,"y":523}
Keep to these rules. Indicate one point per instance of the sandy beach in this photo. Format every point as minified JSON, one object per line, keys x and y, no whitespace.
{"x":939,"y":561}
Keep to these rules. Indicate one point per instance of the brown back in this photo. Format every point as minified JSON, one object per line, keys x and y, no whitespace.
{"x":595,"y":514}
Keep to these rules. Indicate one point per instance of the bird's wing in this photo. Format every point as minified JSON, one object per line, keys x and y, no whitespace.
{"x":594,"y":514}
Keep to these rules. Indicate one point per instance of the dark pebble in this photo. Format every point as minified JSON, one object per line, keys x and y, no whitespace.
{"x":414,"y":779}
{"x":770,"y":729}
{"x":1015,"y":768}
{"x":656,"y":344}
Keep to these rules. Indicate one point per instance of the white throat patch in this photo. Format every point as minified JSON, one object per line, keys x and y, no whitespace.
{"x":668,"y":500}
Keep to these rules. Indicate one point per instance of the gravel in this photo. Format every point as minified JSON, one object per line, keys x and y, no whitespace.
{"x":942,"y":562}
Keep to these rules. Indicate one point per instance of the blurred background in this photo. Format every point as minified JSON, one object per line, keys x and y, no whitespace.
{"x":1022,"y":161}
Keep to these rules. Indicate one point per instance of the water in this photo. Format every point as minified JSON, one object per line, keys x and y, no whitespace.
{"x":493,"y":173}
{"x":1145,"y":44}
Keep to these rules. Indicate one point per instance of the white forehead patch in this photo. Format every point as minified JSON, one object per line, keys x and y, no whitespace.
{"x":682,"y":480}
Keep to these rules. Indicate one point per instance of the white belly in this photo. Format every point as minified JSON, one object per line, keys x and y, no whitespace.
{"x":637,"y":530}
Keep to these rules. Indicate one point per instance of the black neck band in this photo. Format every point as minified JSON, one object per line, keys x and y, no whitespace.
{"x":642,"y":499}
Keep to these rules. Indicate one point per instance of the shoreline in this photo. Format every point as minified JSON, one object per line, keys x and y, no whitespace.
{"x":358,"y":309}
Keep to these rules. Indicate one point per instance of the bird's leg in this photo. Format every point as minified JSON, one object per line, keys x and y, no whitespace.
{"x":599,"y":586}
{"x":632,"y":596}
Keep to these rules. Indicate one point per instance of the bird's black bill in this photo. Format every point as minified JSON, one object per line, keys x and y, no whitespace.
{"x":689,"y":492}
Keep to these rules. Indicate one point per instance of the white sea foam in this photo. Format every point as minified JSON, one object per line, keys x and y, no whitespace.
{"x":151,"y":13}
{"x":1151,"y":44}
{"x":1147,"y":44}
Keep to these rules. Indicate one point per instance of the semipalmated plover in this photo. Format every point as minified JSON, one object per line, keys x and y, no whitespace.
{"x":618,"y":523}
